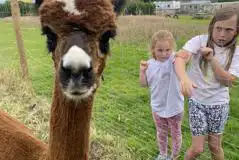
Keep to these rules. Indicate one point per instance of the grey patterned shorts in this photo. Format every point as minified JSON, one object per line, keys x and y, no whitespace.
{"x":206,"y":119}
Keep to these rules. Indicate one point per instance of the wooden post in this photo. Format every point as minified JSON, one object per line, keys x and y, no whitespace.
{"x":16,"y":24}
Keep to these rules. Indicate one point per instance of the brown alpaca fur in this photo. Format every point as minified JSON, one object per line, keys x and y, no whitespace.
{"x":97,"y":16}
{"x":69,"y":130}
{"x":23,"y":145}
{"x":70,"y":118}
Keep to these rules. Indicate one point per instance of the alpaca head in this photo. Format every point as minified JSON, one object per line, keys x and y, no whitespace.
{"x":78,"y":34}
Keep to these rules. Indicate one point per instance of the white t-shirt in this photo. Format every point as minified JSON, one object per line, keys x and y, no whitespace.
{"x":209,"y":90}
{"x":166,"y":98}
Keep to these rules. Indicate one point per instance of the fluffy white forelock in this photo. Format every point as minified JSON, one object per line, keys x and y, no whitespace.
{"x":70,"y":7}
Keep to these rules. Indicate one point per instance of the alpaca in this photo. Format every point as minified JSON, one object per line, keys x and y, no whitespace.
{"x":78,"y":34}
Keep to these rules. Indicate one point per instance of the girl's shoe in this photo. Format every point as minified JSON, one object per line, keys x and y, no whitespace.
{"x":168,"y":158}
{"x":160,"y":157}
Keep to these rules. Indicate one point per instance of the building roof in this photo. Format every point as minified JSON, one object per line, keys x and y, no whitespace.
{"x":197,"y":2}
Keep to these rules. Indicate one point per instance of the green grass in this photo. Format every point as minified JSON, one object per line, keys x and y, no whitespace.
{"x":186,"y":19}
{"x":121,"y":107}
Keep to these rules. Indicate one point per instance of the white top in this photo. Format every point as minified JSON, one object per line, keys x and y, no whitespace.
{"x":166,"y":98}
{"x":209,"y":90}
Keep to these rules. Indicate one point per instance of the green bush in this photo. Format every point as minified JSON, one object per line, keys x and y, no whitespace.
{"x":5,"y":9}
{"x":25,"y":9}
{"x":141,"y":8}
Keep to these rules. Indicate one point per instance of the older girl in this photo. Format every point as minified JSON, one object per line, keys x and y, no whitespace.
{"x":214,"y":66}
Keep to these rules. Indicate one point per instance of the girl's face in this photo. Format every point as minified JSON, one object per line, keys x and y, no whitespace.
{"x":162,"y":50}
{"x":224,"y":31}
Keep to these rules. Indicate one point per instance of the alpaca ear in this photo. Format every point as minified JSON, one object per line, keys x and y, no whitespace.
{"x":118,"y":5}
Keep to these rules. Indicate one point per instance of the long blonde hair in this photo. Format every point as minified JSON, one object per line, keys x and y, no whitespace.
{"x":222,"y":14}
{"x":162,"y":35}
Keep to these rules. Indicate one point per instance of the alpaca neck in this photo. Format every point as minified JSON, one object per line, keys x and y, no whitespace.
{"x":69,"y":128}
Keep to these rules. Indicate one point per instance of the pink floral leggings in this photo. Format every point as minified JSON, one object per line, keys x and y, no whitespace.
{"x":163,"y":125}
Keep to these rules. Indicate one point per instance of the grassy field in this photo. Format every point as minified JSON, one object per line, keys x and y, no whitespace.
{"x":122,"y":116}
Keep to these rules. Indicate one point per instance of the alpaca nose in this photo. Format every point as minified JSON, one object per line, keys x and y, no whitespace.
{"x":76,"y":67}
{"x":76,"y":59}
{"x":76,"y":80}
{"x":82,"y":76}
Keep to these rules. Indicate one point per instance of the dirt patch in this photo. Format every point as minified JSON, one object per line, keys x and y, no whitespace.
{"x":27,"y":20}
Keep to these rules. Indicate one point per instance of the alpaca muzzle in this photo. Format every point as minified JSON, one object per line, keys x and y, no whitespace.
{"x":76,"y":74}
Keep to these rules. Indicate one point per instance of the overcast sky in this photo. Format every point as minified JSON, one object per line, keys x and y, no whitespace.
{"x":2,"y":1}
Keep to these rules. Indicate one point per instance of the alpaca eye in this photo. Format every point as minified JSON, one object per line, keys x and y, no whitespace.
{"x":104,"y":41}
{"x":51,"y":38}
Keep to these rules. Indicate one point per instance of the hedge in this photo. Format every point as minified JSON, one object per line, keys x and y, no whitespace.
{"x":142,"y":8}
{"x":25,"y":9}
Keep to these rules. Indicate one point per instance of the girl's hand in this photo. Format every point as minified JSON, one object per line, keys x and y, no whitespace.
{"x":207,"y":53}
{"x":143,"y":66}
{"x":187,"y":86}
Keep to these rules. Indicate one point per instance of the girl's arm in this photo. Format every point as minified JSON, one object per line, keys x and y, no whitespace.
{"x":142,"y":74}
{"x":143,"y":79}
{"x":221,"y":75}
{"x":182,"y":57}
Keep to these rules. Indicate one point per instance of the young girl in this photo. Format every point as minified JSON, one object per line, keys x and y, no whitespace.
{"x":214,"y":66}
{"x":167,"y":102}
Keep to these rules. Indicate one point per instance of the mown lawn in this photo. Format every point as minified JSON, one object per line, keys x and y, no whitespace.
{"x":121,"y":106}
